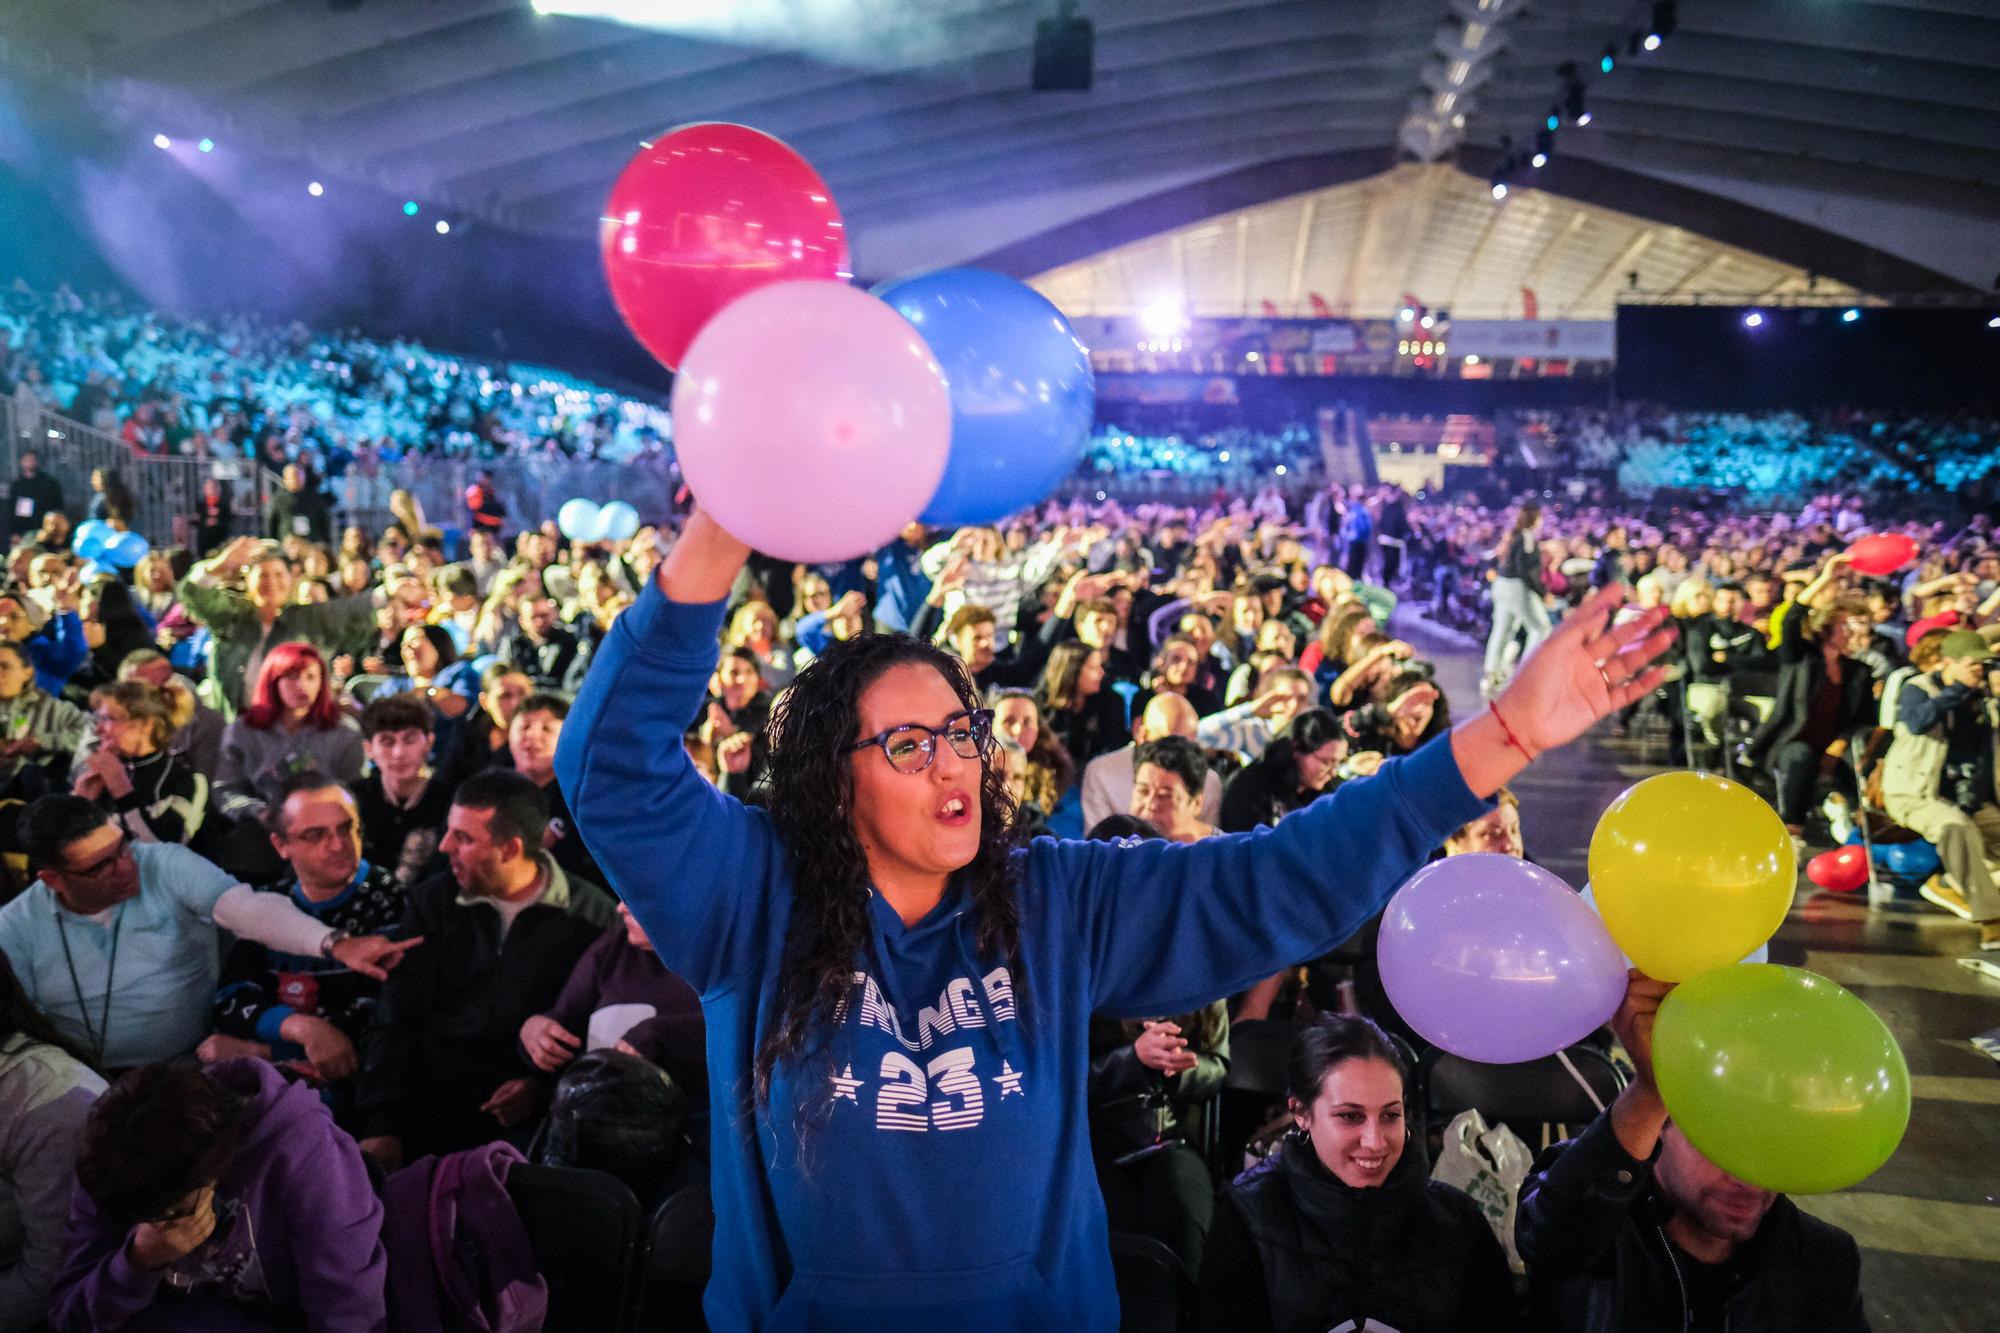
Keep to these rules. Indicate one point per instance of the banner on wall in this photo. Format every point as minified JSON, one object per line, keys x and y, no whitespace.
{"x":1563,"y":339}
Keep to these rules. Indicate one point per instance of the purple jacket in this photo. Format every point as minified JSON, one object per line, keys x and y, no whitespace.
{"x":298,"y":1234}
{"x":464,"y":1262}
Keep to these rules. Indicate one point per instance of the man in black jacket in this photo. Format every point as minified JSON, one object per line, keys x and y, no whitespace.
{"x":441,"y":1069}
{"x":1628,"y":1228}
{"x":540,"y":645}
{"x":32,"y":494}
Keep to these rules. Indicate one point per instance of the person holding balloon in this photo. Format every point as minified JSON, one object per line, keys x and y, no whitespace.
{"x":1629,"y":1227}
{"x":899,"y":997}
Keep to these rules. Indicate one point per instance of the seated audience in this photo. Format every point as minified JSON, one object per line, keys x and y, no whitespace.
{"x":42,"y":731}
{"x":403,"y":806}
{"x":442,"y":1067}
{"x":53,"y":640}
{"x":45,"y":1093}
{"x":244,"y":596}
{"x":293,"y":722}
{"x":1167,"y":780}
{"x":116,"y":939}
{"x":1628,"y":1226}
{"x":540,"y":645}
{"x":219,"y":1198}
{"x":308,"y":1009}
{"x":1050,"y":770}
{"x":129,"y":772}
{"x":197,"y":738}
{"x":1107,"y":779}
{"x":531,"y":741}
{"x":1298,"y":767}
{"x":621,"y":995}
{"x":1342,"y":1227}
{"x":481,"y":741}
{"x":1077,"y":703}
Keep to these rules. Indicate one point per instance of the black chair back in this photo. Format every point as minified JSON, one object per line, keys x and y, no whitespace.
{"x":585,"y":1230}
{"x":1155,"y":1292}
{"x":1540,"y":1100}
{"x":1253,"y":1091}
{"x":678,"y":1258}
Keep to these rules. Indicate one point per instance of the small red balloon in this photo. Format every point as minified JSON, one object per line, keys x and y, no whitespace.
{"x":705,"y":214}
{"x":1843,"y":870}
{"x":1883,"y":553}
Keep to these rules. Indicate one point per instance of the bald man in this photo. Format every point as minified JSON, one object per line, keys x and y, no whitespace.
{"x":1107,"y":779}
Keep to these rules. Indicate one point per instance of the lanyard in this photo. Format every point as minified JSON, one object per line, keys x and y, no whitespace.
{"x":100,"y":1034}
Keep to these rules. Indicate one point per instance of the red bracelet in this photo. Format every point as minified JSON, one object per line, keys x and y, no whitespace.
{"x":1508,"y":731}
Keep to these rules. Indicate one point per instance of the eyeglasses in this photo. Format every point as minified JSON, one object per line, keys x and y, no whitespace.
{"x":911,"y":747}
{"x":103,"y":864}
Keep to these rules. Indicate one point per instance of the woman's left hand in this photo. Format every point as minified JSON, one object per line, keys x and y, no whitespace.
{"x":117,"y":782}
{"x":1585,"y":671}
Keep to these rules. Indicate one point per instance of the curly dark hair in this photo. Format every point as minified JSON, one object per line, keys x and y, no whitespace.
{"x":162,"y":1132}
{"x":813,"y":730}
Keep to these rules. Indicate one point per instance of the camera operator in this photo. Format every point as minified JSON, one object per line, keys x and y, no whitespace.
{"x":1939,"y":778}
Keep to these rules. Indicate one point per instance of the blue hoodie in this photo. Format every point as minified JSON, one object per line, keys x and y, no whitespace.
{"x":946,"y":1179}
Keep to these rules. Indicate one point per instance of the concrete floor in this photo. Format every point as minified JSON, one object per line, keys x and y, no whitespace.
{"x":1929,"y":1221}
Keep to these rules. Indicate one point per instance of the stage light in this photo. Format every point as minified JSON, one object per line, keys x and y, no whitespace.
{"x":443,"y":227}
{"x":315,"y":189}
{"x":1222,"y":457}
{"x":162,"y":141}
{"x":1428,"y":322}
{"x":1499,"y":189}
{"x":1280,"y":469}
{"x":1539,"y":160}
{"x":1849,"y":315}
{"x":1251,"y":357}
{"x":1406,"y":314}
{"x":1754,"y":320}
{"x":1609,"y":60}
{"x":206,"y":145}
{"x":1163,"y":315}
{"x":1472,"y":358}
{"x":409,"y":208}
{"x":1554,"y":121}
{"x":1993,"y":323}
{"x":1652,"y":42}
{"x":1582,"y":119}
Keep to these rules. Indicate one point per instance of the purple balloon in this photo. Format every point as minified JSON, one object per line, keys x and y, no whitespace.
{"x":1497,"y":960}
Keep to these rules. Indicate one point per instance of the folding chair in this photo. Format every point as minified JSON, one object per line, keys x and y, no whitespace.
{"x":1155,"y":1290}
{"x":1544,"y":1101}
{"x":676,"y":1261}
{"x":584,"y":1227}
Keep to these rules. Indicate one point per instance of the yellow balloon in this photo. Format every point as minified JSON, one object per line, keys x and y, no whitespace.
{"x":1691,"y":872}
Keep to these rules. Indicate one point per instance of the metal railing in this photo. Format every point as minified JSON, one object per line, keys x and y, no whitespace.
{"x":166,"y":491}
{"x":533,"y":489}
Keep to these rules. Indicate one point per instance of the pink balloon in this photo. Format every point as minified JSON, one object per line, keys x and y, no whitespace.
{"x":1497,"y":960}
{"x":811,"y":420}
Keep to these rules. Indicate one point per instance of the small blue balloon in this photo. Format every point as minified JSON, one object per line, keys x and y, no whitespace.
{"x":1907,"y":860}
{"x":1022,"y":391}
{"x":578,"y":519}
{"x":617,"y":522}
{"x":94,"y":545}
{"x":128,"y":549}
{"x":91,"y":530}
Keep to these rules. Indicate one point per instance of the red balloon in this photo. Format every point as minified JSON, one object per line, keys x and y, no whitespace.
{"x":704,"y":214}
{"x":1883,"y":553}
{"x":1843,"y":870}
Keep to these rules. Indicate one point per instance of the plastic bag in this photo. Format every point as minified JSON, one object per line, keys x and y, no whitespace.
{"x":1488,"y":1163}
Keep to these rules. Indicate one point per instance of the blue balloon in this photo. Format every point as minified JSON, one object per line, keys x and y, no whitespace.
{"x":578,"y":519}
{"x":92,"y":531}
{"x":1907,"y":860}
{"x":1022,"y":392}
{"x":617,"y":522}
{"x":128,"y":549}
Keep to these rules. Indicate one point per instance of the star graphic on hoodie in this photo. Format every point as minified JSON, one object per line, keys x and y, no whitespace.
{"x":1009,"y":1081}
{"x":844,"y":1085}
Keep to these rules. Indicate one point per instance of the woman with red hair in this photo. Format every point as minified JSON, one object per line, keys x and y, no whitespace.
{"x":293,"y":722}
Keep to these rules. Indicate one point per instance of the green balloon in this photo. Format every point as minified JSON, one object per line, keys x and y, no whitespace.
{"x":1780,"y":1077}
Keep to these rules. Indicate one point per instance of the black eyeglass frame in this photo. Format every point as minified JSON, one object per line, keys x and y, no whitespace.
{"x":982,"y":733}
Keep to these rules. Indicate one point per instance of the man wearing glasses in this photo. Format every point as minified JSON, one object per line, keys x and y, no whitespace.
{"x":116,"y":940}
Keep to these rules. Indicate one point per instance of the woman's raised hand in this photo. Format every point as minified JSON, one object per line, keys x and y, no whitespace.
{"x":1584,"y":671}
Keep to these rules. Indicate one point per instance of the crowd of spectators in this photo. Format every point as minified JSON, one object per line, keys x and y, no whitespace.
{"x":286,"y":858}
{"x":243,"y":387}
{"x":367,"y":732}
